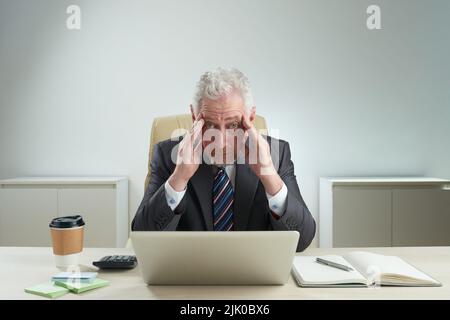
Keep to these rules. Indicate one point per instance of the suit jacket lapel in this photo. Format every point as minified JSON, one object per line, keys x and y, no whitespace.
{"x":246,"y":183}
{"x":202,"y":182}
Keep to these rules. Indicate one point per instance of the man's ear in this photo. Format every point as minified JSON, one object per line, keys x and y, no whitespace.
{"x":192,"y":112}
{"x":252,"y":115}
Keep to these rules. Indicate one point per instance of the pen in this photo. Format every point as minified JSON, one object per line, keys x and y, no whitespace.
{"x":333,"y":264}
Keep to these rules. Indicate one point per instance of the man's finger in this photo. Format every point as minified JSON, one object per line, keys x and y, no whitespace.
{"x":197,"y":119}
{"x":197,"y":125}
{"x":246,"y":121}
{"x":253,"y":136}
{"x":198,"y":129}
{"x":199,"y":116}
{"x":197,"y":154}
{"x":249,"y":127}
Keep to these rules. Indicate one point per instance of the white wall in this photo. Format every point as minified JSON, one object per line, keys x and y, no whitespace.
{"x":349,"y":100}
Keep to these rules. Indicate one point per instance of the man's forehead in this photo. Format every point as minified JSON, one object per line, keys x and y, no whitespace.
{"x":228,"y":105}
{"x":221,"y":113}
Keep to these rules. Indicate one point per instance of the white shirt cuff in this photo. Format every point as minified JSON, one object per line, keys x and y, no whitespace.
{"x":278,"y":202}
{"x":173,"y":197}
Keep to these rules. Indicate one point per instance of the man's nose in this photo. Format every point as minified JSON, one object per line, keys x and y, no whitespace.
{"x":222,"y":139}
{"x":226,"y":138}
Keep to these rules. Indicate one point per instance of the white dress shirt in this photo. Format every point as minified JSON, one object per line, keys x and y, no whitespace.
{"x":277,"y":202}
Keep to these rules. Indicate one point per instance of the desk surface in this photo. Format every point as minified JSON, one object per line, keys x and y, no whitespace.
{"x":24,"y":267}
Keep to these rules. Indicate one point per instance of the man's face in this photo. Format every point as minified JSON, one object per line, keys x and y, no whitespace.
{"x":222,"y":117}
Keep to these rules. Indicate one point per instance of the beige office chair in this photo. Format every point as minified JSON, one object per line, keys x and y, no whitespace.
{"x":162,"y":129}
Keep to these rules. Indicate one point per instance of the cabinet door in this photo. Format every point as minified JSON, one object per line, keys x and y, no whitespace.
{"x":25,"y":214}
{"x":362,"y":217}
{"x":97,"y":205}
{"x":421,"y":217}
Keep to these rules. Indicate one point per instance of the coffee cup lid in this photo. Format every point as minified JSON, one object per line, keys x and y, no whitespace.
{"x":67,"y":222}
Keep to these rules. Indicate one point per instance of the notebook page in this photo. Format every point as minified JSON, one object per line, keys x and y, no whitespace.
{"x":313,"y":273}
{"x":367,"y":263}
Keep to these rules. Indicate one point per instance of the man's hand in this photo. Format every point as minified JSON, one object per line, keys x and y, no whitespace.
{"x":188,"y":156}
{"x":260,"y":161}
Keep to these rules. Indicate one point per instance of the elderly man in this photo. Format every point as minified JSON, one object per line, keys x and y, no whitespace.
{"x":224,"y":175}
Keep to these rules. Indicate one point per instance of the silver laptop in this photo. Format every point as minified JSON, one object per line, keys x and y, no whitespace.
{"x":207,"y":257}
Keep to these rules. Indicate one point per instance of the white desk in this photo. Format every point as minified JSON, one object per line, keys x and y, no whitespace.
{"x":23,"y":267}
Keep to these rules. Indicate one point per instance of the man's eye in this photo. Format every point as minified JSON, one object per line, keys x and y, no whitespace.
{"x":209,"y":125}
{"x":234,"y":125}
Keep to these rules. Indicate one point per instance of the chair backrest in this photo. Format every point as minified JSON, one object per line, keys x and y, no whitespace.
{"x":163,"y":127}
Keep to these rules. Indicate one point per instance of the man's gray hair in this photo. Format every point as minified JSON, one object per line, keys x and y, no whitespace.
{"x":217,"y":83}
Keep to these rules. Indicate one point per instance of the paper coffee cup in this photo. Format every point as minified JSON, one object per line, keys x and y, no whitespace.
{"x":67,"y":239}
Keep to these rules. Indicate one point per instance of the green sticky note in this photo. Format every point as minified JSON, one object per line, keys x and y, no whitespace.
{"x":48,"y":290}
{"x":79,"y":287}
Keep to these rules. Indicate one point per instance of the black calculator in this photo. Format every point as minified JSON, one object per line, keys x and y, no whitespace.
{"x":116,"y":262}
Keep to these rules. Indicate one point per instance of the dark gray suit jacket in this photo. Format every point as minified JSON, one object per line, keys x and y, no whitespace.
{"x":251,"y":207}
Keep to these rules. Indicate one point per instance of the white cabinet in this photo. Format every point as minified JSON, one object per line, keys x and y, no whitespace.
{"x":421,"y":217}
{"x":380,"y":212}
{"x":362,"y":216}
{"x":25,"y":214}
{"x":27,"y":206}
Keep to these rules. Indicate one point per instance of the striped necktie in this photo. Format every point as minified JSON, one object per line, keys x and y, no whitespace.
{"x":223,"y":198}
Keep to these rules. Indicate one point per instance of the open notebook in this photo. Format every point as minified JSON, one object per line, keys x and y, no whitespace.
{"x":368,"y":269}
